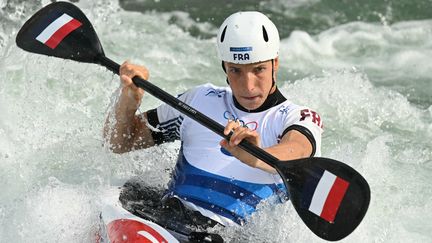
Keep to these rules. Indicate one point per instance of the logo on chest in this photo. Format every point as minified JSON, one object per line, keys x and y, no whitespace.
{"x":252,"y":125}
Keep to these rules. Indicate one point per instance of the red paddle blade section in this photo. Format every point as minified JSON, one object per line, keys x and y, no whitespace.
{"x":57,"y":30}
{"x":327,"y":196}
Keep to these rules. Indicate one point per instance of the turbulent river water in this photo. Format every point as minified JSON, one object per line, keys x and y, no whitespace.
{"x":365,"y":65}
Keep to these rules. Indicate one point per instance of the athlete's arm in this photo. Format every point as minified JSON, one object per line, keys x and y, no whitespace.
{"x":124,"y":130}
{"x":293,"y":145}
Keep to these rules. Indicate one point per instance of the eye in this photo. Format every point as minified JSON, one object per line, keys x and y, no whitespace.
{"x":259,"y":69}
{"x":234,"y":70}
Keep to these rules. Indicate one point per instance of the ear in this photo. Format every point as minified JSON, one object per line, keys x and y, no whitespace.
{"x":276,"y":64}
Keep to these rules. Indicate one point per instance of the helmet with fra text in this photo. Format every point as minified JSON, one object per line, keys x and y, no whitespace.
{"x":247,"y":37}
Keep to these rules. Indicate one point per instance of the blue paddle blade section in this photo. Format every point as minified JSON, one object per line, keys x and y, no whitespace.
{"x":62,"y":30}
{"x":330,"y":197}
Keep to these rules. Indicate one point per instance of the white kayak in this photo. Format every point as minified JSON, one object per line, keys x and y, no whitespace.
{"x":119,"y":225}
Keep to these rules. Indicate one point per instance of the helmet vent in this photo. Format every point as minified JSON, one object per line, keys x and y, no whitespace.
{"x":223,"y":33}
{"x":265,"y":34}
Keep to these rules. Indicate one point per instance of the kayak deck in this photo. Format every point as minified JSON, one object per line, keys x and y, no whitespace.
{"x":138,"y":215}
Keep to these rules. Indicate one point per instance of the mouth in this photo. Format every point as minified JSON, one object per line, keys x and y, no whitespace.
{"x":251,"y":98}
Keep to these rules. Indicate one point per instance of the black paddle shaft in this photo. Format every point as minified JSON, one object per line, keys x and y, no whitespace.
{"x":189,"y":111}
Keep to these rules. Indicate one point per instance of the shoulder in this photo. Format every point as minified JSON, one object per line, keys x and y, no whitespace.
{"x":293,"y":115}
{"x":306,"y":121}
{"x":308,"y":115}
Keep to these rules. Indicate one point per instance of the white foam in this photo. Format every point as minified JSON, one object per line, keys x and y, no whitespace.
{"x":52,"y":112}
{"x":395,"y":56}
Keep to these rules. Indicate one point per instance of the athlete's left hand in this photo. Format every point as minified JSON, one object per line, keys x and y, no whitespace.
{"x":240,"y":133}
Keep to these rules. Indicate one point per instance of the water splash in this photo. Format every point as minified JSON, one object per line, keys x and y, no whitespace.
{"x":369,"y":82}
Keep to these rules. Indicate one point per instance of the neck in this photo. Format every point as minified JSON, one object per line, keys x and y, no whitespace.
{"x":275,"y":98}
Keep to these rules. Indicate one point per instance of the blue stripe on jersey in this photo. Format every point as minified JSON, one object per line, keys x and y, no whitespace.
{"x":224,"y":187}
{"x":184,"y":168}
{"x":215,"y":199}
{"x":230,"y":198}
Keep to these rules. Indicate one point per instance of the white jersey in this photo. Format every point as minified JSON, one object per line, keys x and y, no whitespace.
{"x":207,"y":178}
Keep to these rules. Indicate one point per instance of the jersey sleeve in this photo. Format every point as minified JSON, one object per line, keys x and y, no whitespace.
{"x":309,"y":123}
{"x":166,"y":121}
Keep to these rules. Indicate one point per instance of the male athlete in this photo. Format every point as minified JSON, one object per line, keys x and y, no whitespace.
{"x":213,"y":176}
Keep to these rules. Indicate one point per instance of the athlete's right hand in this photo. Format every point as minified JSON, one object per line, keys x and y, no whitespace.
{"x":130,"y":92}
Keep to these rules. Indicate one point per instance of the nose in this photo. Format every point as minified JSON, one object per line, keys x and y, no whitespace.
{"x":249,"y":81}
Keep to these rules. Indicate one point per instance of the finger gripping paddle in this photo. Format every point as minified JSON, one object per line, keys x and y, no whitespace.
{"x":329,"y":196}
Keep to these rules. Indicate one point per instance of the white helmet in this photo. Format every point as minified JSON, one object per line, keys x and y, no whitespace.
{"x":247,"y":37}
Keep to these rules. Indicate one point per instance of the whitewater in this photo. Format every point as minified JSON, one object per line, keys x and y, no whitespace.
{"x":370,"y":80}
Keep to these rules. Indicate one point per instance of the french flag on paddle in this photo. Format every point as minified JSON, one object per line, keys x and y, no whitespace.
{"x":328,"y":196}
{"x":57,"y":30}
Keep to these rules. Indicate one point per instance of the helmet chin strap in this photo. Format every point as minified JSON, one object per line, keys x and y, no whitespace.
{"x":223,"y":67}
{"x":273,"y":79}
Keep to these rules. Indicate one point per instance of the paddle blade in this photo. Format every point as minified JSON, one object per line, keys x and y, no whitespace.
{"x":62,"y":30}
{"x":329,"y":196}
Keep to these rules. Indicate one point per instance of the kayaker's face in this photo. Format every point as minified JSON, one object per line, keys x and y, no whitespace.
{"x":251,"y":83}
